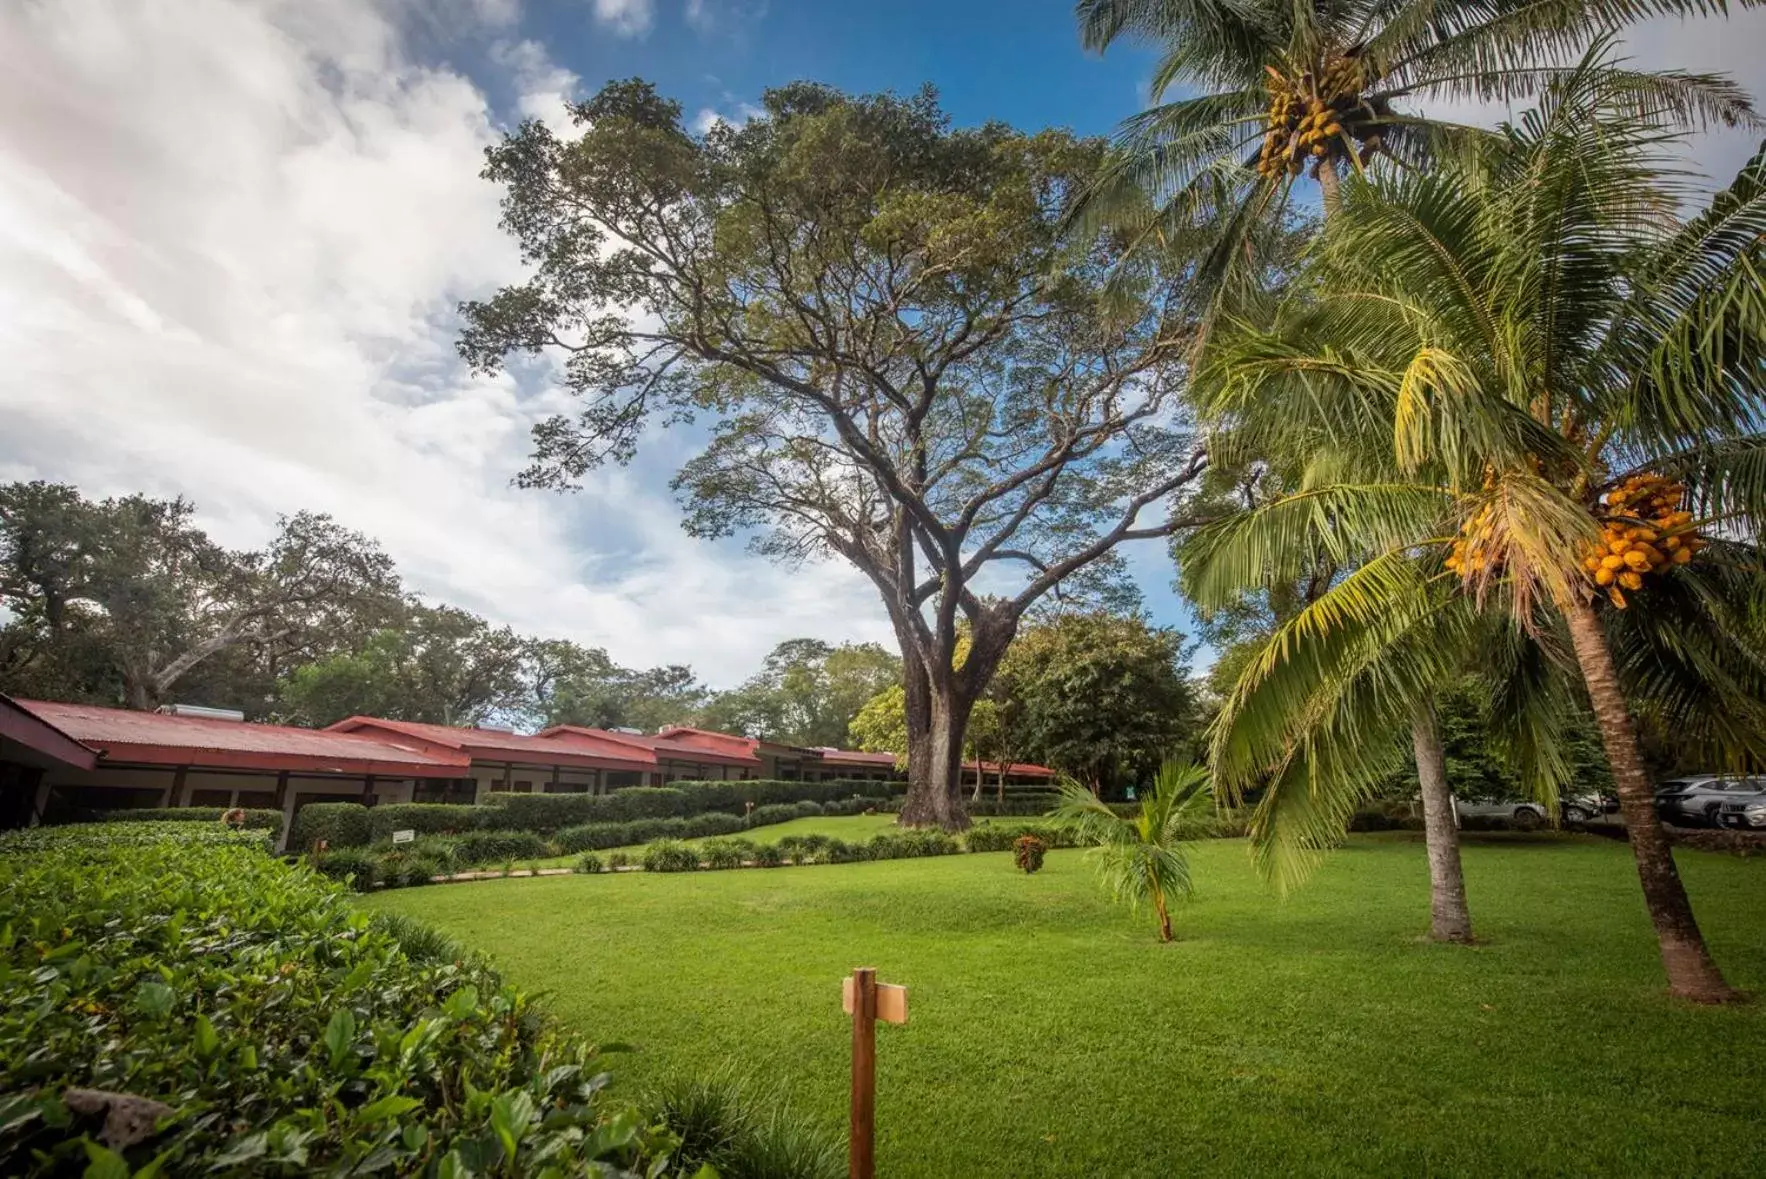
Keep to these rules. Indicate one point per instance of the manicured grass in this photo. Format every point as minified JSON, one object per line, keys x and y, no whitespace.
{"x":1051,"y":1035}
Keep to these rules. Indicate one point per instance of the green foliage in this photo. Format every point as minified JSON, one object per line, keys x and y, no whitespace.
{"x":356,"y":866}
{"x":282,"y":1030}
{"x":769,"y":855}
{"x":670,"y":855}
{"x":1139,"y":859}
{"x":256,"y":818}
{"x":1028,"y":852}
{"x":998,"y":837}
{"x":713,"y":823}
{"x":122,"y":835}
{"x":339,"y":824}
{"x":495,"y":847}
{"x":618,"y":860}
{"x":743,"y":1133}
{"x":807,"y":693}
{"x":600,"y":836}
{"x":588,"y":863}
{"x":903,"y":845}
{"x":763,"y":816}
{"x":726,"y":853}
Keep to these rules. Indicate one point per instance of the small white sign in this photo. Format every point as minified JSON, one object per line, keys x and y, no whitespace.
{"x":403,"y":836}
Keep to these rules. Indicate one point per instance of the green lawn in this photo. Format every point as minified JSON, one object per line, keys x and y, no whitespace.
{"x":1050,"y":1034}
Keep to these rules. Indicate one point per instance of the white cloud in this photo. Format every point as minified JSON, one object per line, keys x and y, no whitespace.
{"x":627,"y":18}
{"x":232,"y":235}
{"x":709,"y":117}
{"x":543,"y":86}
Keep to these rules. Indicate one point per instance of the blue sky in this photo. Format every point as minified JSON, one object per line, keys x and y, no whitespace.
{"x":234,"y":233}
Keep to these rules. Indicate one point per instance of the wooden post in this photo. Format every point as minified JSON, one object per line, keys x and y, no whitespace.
{"x":862,"y":1164}
{"x":867,"y":1001}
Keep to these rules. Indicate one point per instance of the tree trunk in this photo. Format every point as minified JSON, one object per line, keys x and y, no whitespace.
{"x":935,"y":764}
{"x":1691,"y":972}
{"x":1449,"y":918}
{"x":1164,"y":916}
{"x":1330,"y":187}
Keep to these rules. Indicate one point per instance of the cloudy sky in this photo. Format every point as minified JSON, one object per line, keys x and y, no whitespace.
{"x":233,"y":232}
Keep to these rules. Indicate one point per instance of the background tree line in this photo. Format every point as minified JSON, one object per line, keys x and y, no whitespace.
{"x":127,"y":602}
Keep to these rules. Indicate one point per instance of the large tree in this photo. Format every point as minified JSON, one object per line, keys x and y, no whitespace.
{"x":124,"y":599}
{"x":569,"y":684}
{"x":1568,"y":379}
{"x":903,"y":364}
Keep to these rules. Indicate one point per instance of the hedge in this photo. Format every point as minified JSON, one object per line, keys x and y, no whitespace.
{"x":183,"y":1008}
{"x":255,"y":817}
{"x":425,"y":818}
{"x":127,"y":835}
{"x":339,"y":824}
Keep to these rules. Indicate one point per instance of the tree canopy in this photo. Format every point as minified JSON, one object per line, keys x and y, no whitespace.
{"x":903,"y":363}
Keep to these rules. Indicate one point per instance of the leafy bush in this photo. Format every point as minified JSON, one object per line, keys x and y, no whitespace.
{"x":670,"y":855}
{"x":807,"y":809}
{"x":339,"y":824}
{"x":1021,"y":804}
{"x":587,"y":863}
{"x":726,"y":853}
{"x":712,"y":823}
{"x":768,"y":855}
{"x":855,"y":805}
{"x":425,"y":818}
{"x":117,"y":835}
{"x":400,"y":868}
{"x":838,"y":851}
{"x":422,"y":943}
{"x":253,"y":1022}
{"x":477,"y":848}
{"x":618,"y":860}
{"x":355,"y":866}
{"x":995,"y":837}
{"x":766,"y":816}
{"x":262,"y":819}
{"x":1027,"y":853}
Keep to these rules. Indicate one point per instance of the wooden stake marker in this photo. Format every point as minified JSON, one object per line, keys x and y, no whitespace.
{"x":867,"y":1001}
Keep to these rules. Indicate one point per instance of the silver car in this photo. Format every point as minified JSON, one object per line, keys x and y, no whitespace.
{"x":1697,"y":800}
{"x":1526,"y":816}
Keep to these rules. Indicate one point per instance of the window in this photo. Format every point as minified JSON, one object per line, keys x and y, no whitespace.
{"x":524,"y":788}
{"x":211,"y":798}
{"x":256,"y":799}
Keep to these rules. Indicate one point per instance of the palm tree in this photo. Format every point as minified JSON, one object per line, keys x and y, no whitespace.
{"x":1577,"y":374}
{"x":1140,"y":858}
{"x":1322,"y":89}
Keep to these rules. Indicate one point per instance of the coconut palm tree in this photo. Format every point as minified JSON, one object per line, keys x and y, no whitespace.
{"x":1281,"y":91}
{"x":1578,"y":375}
{"x":1140,"y":858}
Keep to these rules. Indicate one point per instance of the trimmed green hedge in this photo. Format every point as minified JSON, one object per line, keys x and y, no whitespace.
{"x":255,"y":817}
{"x":126,"y":835}
{"x":339,"y":824}
{"x":254,"y":1023}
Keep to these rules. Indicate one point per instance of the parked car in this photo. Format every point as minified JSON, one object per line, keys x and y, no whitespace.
{"x":1527,"y":816}
{"x":1585,"y":808}
{"x":1746,"y":812}
{"x":1697,"y":800}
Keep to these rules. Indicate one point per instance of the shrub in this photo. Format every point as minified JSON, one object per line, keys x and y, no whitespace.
{"x":713,"y":823}
{"x":766,"y":816}
{"x":405,"y":869}
{"x":476,"y":848}
{"x":856,"y":805}
{"x":902,"y":845}
{"x":1022,"y":804}
{"x":618,"y":860}
{"x":425,"y":818}
{"x":994,"y":837}
{"x":807,"y":809}
{"x":339,"y":824}
{"x":286,"y":1031}
{"x":355,"y":866}
{"x":838,"y":851}
{"x":587,"y":863}
{"x":670,"y":855}
{"x":729,"y":1128}
{"x":422,"y":943}
{"x":258,"y":819}
{"x":768,"y":855}
{"x":116,"y":835}
{"x":726,"y":853}
{"x":1027,"y":853}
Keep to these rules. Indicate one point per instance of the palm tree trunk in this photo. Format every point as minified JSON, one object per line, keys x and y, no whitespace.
{"x":1691,"y":972}
{"x":1330,"y":188}
{"x":1164,"y":915}
{"x":1450,"y":920}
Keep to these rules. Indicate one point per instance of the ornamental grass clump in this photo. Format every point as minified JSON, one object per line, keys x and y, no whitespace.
{"x":1027,"y":853}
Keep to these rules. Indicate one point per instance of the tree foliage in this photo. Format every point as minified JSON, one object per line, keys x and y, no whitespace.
{"x":903,"y":364}
{"x":807,"y":693}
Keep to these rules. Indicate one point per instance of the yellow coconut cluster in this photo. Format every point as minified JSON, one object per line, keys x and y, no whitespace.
{"x":1643,"y":531}
{"x":1307,"y":115}
{"x":1471,"y":551}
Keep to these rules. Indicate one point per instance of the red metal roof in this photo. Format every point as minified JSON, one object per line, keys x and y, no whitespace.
{"x":153,"y":738}
{"x":41,"y":738}
{"x":495,"y":745}
{"x":1017,"y":769}
{"x":667,"y":745}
